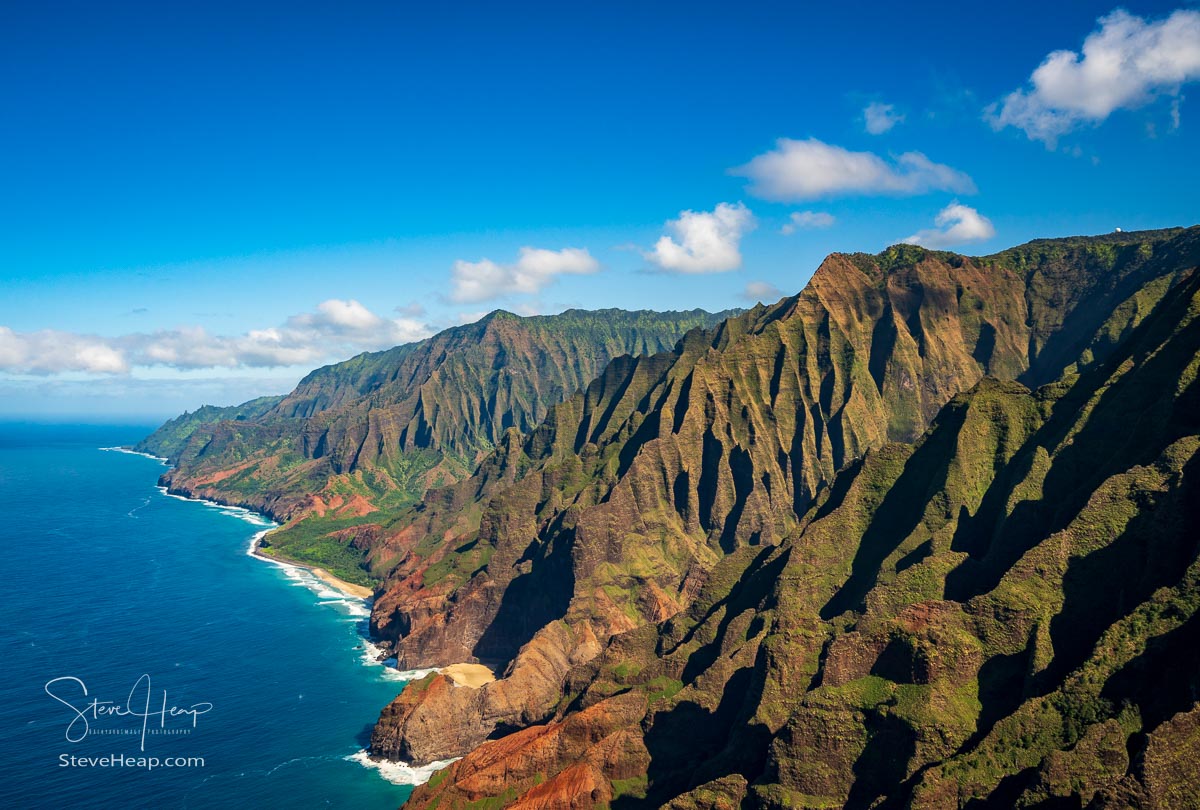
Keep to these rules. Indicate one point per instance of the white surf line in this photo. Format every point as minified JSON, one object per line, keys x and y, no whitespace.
{"x":401,"y":773}
{"x":375,"y":655}
{"x":239,"y":512}
{"x":132,"y":452}
{"x":357,"y":609}
{"x":398,"y":773}
{"x":144,"y":504}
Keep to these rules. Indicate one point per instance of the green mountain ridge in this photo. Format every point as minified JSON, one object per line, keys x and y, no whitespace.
{"x":921,"y":535}
{"x":171,"y":438}
{"x":372,"y":433}
{"x":637,"y":492}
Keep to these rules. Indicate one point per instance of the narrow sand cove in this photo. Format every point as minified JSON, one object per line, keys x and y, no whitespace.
{"x":348,"y":588}
{"x":472,"y":675}
{"x":469,"y":675}
{"x":342,"y":585}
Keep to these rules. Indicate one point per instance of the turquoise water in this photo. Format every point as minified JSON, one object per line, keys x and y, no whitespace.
{"x":107,"y":580}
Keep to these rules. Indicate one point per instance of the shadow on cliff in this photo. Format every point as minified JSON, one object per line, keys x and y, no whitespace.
{"x":750,"y":593}
{"x":883,"y":763}
{"x":1163,"y":681}
{"x":900,"y":512}
{"x":1130,"y":422}
{"x":684,"y":740}
{"x":532,"y":599}
{"x":1103,"y":587}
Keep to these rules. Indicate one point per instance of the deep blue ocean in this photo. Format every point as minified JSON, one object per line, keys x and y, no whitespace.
{"x":107,"y":580}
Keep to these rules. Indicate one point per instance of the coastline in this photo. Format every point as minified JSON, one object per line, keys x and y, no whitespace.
{"x":468,"y":675}
{"x":462,"y":675}
{"x":348,"y":588}
{"x":129,"y":451}
{"x":472,"y":676}
{"x":358,"y":600}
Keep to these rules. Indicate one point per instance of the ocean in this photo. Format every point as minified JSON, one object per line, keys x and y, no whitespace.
{"x":149,"y":661}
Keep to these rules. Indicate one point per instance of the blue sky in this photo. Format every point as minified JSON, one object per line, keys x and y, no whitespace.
{"x":199,"y":203}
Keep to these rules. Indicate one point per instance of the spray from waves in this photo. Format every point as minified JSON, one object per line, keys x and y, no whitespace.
{"x":251,"y":517}
{"x":130,"y":452}
{"x":374,"y":655}
{"x":357,"y":610}
{"x":354,"y":609}
{"x":412,"y":674}
{"x":401,"y":773}
{"x":144,"y":504}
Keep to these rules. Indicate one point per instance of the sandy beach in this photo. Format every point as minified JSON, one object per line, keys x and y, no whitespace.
{"x":468,"y":675}
{"x":348,"y":588}
{"x":472,"y":675}
{"x":342,"y":585}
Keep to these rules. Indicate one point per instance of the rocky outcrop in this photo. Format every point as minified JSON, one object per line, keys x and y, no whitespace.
{"x":1001,"y":613}
{"x":435,"y":718}
{"x":595,"y":739}
{"x":613,"y":512}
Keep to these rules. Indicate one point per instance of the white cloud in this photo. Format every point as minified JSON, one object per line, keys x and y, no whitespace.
{"x":878,"y":117}
{"x":761,"y":291}
{"x":529,"y":309}
{"x":50,"y":350}
{"x":803,"y":220}
{"x":703,"y":241}
{"x":341,"y":314}
{"x":956,"y":225}
{"x":337,"y":329}
{"x":535,"y":269}
{"x":806,"y":170}
{"x":1126,"y":63}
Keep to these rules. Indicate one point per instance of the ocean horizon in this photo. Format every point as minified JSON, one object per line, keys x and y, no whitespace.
{"x":152,"y":661}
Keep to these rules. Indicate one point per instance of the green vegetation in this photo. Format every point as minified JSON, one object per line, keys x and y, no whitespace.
{"x":375,"y":432}
{"x":313,"y":541}
{"x":990,"y":596}
{"x":493,"y":802}
{"x":634,"y":787}
{"x":169,"y":440}
{"x":921,"y":535}
{"x":438,"y":777}
{"x":662,"y":688}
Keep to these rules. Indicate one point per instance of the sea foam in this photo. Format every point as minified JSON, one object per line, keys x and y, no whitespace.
{"x":131,"y":452}
{"x":401,"y":773}
{"x":412,"y":674}
{"x":355,"y":609}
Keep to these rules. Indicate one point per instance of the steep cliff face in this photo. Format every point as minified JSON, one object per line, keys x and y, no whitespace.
{"x":688,"y":454}
{"x":408,"y":410}
{"x":371,"y":434}
{"x":1002,"y":613}
{"x":921,"y":534}
{"x":619,"y":509}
